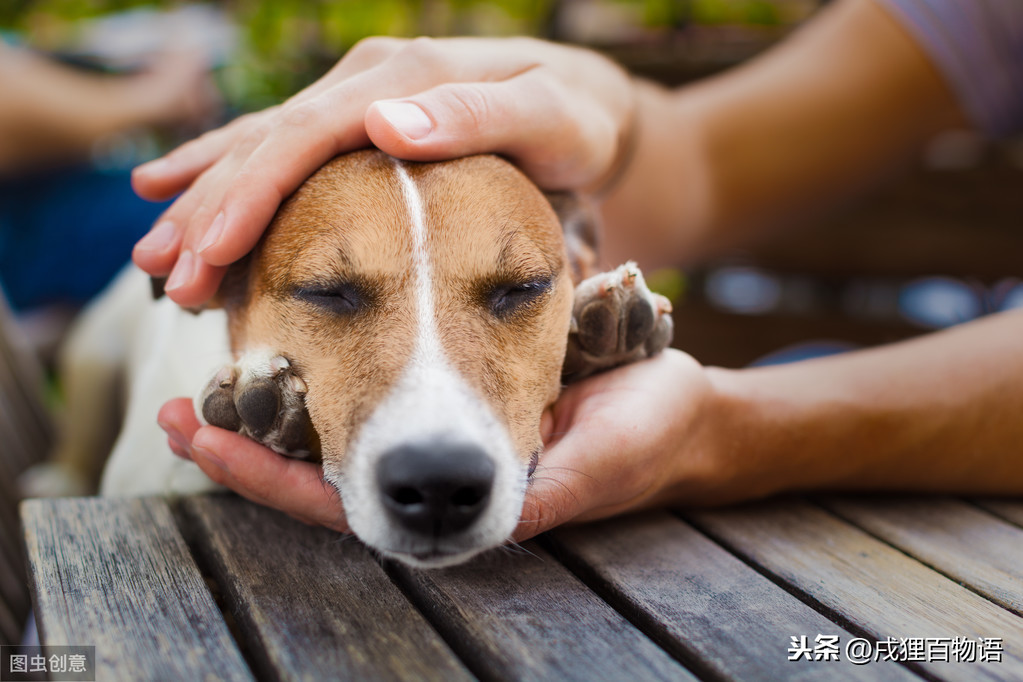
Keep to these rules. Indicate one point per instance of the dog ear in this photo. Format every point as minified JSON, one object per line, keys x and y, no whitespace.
{"x":230,"y":295}
{"x":580,"y":223}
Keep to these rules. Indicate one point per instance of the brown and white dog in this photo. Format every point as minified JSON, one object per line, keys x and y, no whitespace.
{"x":405,"y":323}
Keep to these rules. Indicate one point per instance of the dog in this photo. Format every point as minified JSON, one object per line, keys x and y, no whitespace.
{"x":406,"y":324}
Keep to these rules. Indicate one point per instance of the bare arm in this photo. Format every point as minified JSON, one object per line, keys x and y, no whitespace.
{"x":824,"y":115}
{"x":940,"y":413}
{"x":51,"y":112}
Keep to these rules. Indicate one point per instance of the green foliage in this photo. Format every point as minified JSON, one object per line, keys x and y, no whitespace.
{"x":735,"y":12}
{"x":286,"y":45}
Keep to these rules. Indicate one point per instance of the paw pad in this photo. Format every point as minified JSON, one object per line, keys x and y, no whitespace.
{"x":616,"y":319}
{"x":261,"y":397}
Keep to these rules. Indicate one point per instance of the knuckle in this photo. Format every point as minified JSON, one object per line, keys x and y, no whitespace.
{"x":373,"y":49}
{"x":424,"y":53}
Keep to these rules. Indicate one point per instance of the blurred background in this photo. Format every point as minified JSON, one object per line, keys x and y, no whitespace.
{"x":940,"y":246}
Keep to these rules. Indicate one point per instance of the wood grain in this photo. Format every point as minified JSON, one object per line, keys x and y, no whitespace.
{"x":117,"y":574}
{"x":312,"y":604}
{"x":872,"y":586}
{"x":961,"y":541}
{"x":711,"y":610}
{"x":520,"y":615}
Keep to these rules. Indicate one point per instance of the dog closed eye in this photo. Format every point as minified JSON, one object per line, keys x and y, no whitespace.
{"x":340,"y":298}
{"x":506,"y":299}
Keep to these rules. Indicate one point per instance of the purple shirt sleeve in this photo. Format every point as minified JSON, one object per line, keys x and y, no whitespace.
{"x":978,"y":46}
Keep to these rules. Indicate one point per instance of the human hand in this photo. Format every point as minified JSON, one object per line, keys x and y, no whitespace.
{"x":253,"y":471}
{"x":560,"y":113}
{"x":635,"y":437}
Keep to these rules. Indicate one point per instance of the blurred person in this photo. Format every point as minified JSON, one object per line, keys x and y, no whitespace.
{"x":834,"y":110}
{"x":65,"y":227}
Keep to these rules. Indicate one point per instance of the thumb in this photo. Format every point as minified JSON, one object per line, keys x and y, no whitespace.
{"x":560,"y":490}
{"x":549,"y":502}
{"x":561,"y":141}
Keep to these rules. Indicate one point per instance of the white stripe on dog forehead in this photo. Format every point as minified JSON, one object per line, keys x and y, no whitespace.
{"x":427,"y":342}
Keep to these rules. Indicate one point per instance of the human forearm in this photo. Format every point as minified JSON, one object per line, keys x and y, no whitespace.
{"x":936,"y":414}
{"x":50,"y":111}
{"x":813,"y":122}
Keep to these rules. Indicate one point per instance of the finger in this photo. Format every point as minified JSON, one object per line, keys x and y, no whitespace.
{"x":547,"y":424}
{"x":561,"y":139}
{"x":550,"y":501}
{"x":177,"y":418}
{"x":164,"y":177}
{"x":260,"y":474}
{"x":364,"y":55}
{"x":193,"y":281}
{"x":567,"y":485}
{"x":158,"y":252}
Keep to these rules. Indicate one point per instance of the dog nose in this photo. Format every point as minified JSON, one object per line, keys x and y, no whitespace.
{"x":435,"y":489}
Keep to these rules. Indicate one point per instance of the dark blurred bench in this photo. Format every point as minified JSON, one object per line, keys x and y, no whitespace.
{"x":25,"y":438}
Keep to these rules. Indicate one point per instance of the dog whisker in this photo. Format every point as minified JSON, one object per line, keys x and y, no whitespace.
{"x":516,"y":548}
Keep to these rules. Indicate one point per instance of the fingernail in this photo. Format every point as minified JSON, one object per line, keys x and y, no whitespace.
{"x":183,"y":272}
{"x":407,"y":118}
{"x":213,"y":233}
{"x":179,"y":445}
{"x":202,"y":453}
{"x":546,"y":426}
{"x":174,"y":435}
{"x":160,"y":238}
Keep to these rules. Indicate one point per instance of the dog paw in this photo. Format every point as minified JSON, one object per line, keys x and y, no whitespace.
{"x":260,"y":397}
{"x":616,"y":319}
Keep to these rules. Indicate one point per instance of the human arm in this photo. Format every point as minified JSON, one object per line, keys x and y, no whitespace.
{"x":826,"y":114}
{"x":50,"y":112}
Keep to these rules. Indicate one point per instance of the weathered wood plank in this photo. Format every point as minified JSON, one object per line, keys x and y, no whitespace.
{"x":956,"y":538}
{"x":524,"y":616}
{"x":311,"y":604}
{"x":876,"y":588}
{"x":700,"y":602}
{"x":117,"y":574}
{"x":1010,"y":510}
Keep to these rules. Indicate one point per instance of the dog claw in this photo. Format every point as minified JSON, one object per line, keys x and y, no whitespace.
{"x":616,"y":319}
{"x":297,"y":385}
{"x":262,"y":398}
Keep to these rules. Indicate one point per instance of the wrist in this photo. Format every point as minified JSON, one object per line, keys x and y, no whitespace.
{"x":768,"y":439}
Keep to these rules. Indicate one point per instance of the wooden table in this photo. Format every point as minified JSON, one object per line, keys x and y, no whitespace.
{"x":216,"y":588}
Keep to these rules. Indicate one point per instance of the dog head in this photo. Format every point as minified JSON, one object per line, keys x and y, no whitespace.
{"x":426,"y":309}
